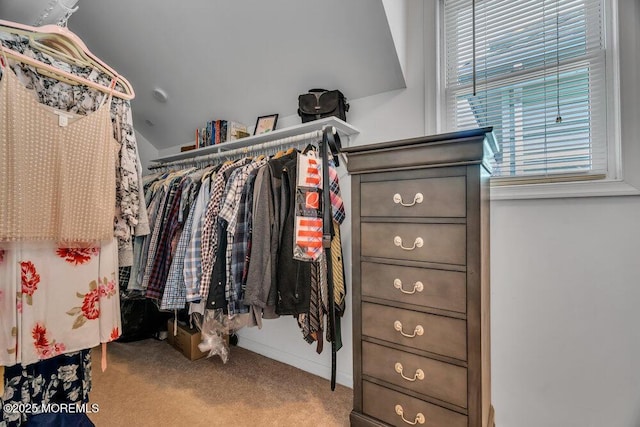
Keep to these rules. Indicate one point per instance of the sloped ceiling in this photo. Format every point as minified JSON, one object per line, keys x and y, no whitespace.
{"x":234,"y":60}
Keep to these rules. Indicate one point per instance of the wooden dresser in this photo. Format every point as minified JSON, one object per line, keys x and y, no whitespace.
{"x":421,"y":349}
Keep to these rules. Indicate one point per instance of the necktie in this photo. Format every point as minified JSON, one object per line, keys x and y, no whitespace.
{"x":336,"y":200}
{"x":308,"y":207}
{"x":337,"y":268}
{"x":311,"y":322}
{"x":308,"y":238}
{"x":315,"y":313}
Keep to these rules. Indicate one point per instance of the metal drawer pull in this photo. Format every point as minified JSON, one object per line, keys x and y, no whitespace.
{"x":418,"y":243}
{"x":417,"y":287}
{"x":419,"y":375}
{"x":418,"y":198}
{"x":419,"y":330}
{"x":419,"y":418}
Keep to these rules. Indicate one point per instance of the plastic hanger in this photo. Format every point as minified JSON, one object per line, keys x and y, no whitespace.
{"x":58,"y":74}
{"x":67,"y":46}
{"x":62,"y":43}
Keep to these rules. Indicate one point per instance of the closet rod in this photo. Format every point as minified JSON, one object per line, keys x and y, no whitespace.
{"x":291,"y":140}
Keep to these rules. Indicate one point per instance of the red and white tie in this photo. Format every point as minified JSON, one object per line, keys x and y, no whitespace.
{"x":308,"y":226}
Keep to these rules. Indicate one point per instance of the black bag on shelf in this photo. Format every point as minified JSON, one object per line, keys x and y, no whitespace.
{"x":321,"y":103}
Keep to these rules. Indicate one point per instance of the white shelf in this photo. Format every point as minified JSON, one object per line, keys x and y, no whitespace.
{"x":344,"y":130}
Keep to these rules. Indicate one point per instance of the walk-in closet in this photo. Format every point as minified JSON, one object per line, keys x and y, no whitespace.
{"x":336,"y":213}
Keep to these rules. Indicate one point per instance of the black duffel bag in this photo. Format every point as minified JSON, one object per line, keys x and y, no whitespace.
{"x":321,"y":103}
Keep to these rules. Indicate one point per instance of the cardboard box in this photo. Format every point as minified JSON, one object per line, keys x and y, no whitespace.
{"x":185,"y":341}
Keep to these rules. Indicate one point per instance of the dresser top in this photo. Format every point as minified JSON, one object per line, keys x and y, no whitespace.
{"x":462,"y":147}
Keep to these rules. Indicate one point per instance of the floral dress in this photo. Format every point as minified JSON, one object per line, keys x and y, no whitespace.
{"x":55,"y":300}
{"x":61,"y":379}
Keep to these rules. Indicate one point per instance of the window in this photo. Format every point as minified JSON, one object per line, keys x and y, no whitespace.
{"x":538,"y":71}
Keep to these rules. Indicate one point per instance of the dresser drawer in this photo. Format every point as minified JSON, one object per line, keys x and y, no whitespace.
{"x":428,"y":197}
{"x":398,"y":409}
{"x":423,"y":375}
{"x":441,"y":289}
{"x":443,"y":243}
{"x":436,"y":334}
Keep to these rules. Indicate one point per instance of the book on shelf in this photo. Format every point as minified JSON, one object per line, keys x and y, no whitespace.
{"x":223,"y":130}
{"x":220,"y":131}
{"x":236,"y":130}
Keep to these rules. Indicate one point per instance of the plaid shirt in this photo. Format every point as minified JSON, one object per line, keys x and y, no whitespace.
{"x":192,"y":262}
{"x":162,"y":260}
{"x":175,"y":297}
{"x":229,"y":213}
{"x":162,"y":197}
{"x":242,"y":239}
{"x":209,"y":229}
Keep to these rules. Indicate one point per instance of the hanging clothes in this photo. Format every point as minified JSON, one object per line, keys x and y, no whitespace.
{"x":130,"y":211}
{"x":62,"y":379}
{"x":56,"y":299}
{"x":210,"y":234}
{"x":229,"y":212}
{"x":192,"y":259}
{"x":241,"y":250}
{"x":268,"y":220}
{"x":47,"y":319}
{"x":132,"y":276}
{"x":241,"y":220}
{"x":57,"y":172}
{"x":164,"y":191}
{"x":160,"y":267}
{"x":293,"y":277}
{"x":174,"y":296}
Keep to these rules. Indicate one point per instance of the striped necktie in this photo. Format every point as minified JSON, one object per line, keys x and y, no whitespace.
{"x":337,"y":268}
{"x":336,"y":200}
{"x":308,"y":207}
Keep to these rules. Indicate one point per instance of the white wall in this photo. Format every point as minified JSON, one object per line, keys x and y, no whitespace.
{"x":565,"y":314}
{"x":146,"y":151}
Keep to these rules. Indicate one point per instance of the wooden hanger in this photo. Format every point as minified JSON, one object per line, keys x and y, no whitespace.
{"x":284,"y":153}
{"x":63,"y":44}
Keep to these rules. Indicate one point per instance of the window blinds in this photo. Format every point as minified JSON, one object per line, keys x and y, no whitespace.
{"x":540,"y":73}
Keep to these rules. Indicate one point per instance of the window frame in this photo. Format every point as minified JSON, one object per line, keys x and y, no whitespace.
{"x":614,"y":184}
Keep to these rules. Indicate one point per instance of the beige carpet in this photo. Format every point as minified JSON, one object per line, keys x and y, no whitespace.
{"x":149,"y":383}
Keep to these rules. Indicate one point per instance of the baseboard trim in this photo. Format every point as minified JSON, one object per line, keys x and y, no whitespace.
{"x":298,"y":362}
